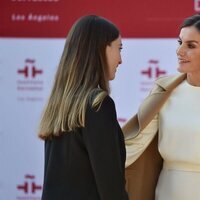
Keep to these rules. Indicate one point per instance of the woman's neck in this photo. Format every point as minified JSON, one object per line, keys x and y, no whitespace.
{"x":193,"y":79}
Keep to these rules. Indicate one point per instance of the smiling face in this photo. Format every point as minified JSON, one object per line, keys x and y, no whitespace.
{"x":113,"y":56}
{"x":188,"y":52}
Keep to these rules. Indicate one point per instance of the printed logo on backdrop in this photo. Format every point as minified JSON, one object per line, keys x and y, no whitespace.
{"x":197,"y":5}
{"x":149,"y":74}
{"x":30,"y":16}
{"x":29,"y":189}
{"x":29,"y":81}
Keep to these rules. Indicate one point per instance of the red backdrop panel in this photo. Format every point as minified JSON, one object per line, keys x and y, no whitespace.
{"x":53,"y":18}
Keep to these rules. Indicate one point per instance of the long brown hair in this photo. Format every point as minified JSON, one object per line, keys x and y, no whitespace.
{"x":82,"y":69}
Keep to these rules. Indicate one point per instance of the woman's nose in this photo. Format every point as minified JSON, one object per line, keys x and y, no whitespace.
{"x":180,"y":51}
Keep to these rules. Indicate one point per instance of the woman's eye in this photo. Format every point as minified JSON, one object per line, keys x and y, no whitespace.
{"x":191,"y":46}
{"x":180,"y":42}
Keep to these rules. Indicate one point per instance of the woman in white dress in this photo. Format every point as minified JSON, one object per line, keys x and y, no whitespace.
{"x":167,"y":167}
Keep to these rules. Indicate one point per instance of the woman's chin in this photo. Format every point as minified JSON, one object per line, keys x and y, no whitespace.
{"x":111,"y":78}
{"x":181,"y":69}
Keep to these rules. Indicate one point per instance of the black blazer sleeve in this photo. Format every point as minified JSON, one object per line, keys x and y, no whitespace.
{"x":102,"y":140}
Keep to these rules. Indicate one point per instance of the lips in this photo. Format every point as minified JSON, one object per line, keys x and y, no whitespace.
{"x":182,"y":61}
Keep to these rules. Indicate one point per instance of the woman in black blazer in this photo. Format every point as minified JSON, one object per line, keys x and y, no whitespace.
{"x":84,"y":144}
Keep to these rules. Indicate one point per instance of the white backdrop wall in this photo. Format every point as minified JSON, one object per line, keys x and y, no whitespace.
{"x":27,"y":68}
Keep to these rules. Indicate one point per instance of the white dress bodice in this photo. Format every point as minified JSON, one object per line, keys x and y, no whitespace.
{"x":179,"y":145}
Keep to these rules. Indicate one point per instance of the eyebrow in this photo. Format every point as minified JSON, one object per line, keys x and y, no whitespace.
{"x":190,"y":41}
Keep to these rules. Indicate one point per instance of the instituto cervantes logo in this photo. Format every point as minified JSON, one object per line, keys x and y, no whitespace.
{"x":149,"y":74}
{"x":29,"y":189}
{"x":29,"y":69}
{"x":153,"y":70}
{"x":30,"y":81}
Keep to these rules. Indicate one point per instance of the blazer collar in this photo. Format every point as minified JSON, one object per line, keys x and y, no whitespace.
{"x":170,"y":82}
{"x":152,"y":105}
